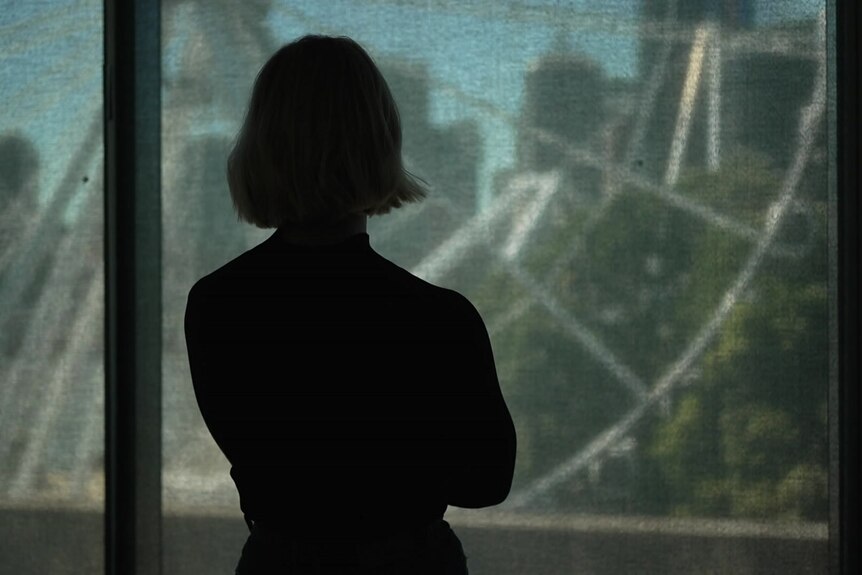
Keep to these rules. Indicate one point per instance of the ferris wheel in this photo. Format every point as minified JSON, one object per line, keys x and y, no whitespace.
{"x":49,"y":253}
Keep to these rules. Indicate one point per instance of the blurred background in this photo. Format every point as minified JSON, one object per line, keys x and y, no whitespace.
{"x":633,"y":193}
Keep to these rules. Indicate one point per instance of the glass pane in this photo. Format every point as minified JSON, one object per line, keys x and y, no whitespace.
{"x":634,"y":196}
{"x":51,"y":288}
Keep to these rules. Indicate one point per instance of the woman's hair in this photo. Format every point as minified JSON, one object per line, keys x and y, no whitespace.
{"x":321,"y":139}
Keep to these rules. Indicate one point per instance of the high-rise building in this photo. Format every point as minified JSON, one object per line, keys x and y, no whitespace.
{"x":446,"y":157}
{"x":562,"y":116}
{"x":764,"y":117}
{"x":667,"y":49}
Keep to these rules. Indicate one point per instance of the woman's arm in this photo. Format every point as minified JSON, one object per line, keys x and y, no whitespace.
{"x":202,"y":358}
{"x":482,"y":430}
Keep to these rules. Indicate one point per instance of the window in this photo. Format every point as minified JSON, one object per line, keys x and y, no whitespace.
{"x":634,"y":194}
{"x":51,"y":288}
{"x":640,"y":197}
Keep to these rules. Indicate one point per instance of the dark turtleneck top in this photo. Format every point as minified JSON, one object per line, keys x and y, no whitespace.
{"x":352,"y":399}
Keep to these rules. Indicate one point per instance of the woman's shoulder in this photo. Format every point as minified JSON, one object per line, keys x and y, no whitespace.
{"x":240,"y":276}
{"x":229,"y":274}
{"x":451,"y":298}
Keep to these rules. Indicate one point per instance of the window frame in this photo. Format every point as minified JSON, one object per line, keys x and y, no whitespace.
{"x":133,"y":274}
{"x":844,"y":408}
{"x":133,"y":307}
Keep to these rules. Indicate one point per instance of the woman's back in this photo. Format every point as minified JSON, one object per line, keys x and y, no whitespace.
{"x":352,"y":399}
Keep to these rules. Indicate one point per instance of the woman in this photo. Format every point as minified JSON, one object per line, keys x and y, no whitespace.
{"x":353,"y":400}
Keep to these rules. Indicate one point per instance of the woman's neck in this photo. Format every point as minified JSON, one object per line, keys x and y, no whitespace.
{"x":324,"y":234}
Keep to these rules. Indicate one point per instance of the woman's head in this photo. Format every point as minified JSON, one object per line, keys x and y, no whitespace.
{"x":321,"y":139}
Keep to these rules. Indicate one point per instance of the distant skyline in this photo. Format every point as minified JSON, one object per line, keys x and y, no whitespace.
{"x":471,"y":46}
{"x":458,"y":42}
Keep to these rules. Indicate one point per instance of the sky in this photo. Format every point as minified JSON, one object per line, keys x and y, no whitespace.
{"x":50,"y":80}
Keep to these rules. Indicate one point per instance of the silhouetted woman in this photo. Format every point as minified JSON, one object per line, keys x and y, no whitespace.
{"x":353,"y":400}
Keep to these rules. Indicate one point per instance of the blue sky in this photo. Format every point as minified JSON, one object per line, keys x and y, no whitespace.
{"x":52,"y":52}
{"x":481,"y":49}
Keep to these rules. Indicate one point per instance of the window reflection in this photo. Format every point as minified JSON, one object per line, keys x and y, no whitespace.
{"x":632,"y":193}
{"x":51,"y":288}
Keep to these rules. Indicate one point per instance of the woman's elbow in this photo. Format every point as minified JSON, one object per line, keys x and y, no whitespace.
{"x":491,"y":485}
{"x":487,"y":494}
{"x":502,"y":485}
{"x":501,"y":491}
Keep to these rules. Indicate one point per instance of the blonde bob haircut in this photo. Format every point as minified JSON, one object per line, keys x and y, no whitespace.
{"x":321,"y":139}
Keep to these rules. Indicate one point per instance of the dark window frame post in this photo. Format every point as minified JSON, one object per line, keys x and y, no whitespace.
{"x":133,"y":307}
{"x":845,"y":431}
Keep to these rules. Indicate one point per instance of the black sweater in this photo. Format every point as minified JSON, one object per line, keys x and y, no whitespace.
{"x":350,"y":397}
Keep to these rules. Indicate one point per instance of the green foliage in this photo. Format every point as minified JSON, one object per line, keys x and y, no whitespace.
{"x":748,"y":439}
{"x":746,"y":436}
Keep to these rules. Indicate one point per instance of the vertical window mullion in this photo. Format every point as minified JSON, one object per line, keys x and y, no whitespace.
{"x":132,"y":287}
{"x":844,"y":431}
